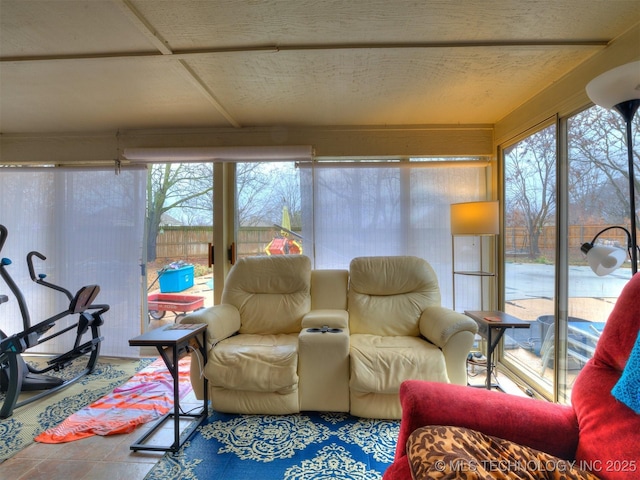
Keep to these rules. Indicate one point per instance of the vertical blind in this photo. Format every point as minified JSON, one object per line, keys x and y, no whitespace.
{"x":362,"y":211}
{"x":89,"y":225}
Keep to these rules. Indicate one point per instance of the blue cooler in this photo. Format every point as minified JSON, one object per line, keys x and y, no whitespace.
{"x":176,"y":280}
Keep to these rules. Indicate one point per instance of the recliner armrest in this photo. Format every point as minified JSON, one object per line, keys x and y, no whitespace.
{"x":439,"y":324}
{"x":222,"y":321}
{"x":546,"y":426}
{"x":454,"y":333}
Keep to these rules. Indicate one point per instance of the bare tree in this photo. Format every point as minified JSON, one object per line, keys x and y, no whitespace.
{"x":263,"y":189}
{"x":286,"y":192}
{"x":598,"y":174}
{"x":186,"y":191}
{"x":252,"y":182}
{"x":530,"y":182}
{"x":179,"y":186}
{"x":599,"y":164}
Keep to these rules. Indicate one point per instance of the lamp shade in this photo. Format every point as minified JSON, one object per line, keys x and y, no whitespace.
{"x":475,"y":218}
{"x":604,"y":259}
{"x":618,"y":85}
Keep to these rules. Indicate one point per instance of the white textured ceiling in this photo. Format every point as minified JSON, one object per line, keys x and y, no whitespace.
{"x":72,"y":66}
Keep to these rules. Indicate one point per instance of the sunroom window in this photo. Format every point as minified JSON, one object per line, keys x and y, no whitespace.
{"x":542,"y":240}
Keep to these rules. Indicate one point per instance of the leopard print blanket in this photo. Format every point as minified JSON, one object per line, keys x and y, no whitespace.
{"x":438,"y":452}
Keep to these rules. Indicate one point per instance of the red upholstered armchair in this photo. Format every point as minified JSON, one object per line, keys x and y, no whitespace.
{"x":597,"y":431}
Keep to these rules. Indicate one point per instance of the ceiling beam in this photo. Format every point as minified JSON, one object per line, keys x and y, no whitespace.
{"x":147,"y":29}
{"x":144,"y":26}
{"x":186,"y":53}
{"x":195,"y":79}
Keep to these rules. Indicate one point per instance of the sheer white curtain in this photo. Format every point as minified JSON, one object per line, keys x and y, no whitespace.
{"x":89,"y":223}
{"x":394,"y":210}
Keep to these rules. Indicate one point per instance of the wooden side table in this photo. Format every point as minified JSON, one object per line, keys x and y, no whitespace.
{"x":491,"y":326}
{"x":172,"y":342}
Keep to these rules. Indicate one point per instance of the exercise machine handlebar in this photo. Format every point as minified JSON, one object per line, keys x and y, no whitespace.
{"x":40,"y":279}
{"x":3,"y":236}
{"x":24,"y":311}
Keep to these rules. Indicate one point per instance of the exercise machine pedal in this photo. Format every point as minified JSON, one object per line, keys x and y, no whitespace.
{"x":31,"y":381}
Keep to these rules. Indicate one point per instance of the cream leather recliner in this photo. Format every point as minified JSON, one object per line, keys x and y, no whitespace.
{"x":287,"y":338}
{"x":400,"y":331}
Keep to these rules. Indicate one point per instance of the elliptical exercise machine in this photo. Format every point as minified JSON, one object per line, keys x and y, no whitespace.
{"x":15,"y":375}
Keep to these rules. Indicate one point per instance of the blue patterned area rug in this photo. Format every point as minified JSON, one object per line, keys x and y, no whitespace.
{"x":306,"y":446}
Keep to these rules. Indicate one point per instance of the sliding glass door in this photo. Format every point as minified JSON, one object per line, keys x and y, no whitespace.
{"x":530,"y":253}
{"x":268,"y":209}
{"x":547,"y":279}
{"x":179,"y":236}
{"x":598,"y":199}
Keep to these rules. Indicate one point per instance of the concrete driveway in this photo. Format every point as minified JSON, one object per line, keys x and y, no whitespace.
{"x":529,"y":280}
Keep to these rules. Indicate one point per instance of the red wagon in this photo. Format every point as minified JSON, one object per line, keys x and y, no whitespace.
{"x":180,"y":305}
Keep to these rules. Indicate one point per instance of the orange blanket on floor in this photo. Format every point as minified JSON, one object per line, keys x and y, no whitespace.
{"x":146,"y":396}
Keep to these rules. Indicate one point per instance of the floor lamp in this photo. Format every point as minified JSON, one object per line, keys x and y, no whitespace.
{"x":619,"y":89}
{"x":474,"y":219}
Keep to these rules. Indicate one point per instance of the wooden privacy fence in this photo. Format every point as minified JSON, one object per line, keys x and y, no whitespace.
{"x":189,"y":243}
{"x":183,"y":242}
{"x":517,"y":241}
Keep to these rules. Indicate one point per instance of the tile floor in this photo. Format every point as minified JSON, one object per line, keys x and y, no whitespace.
{"x":93,"y":458}
{"x":110,"y":458}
